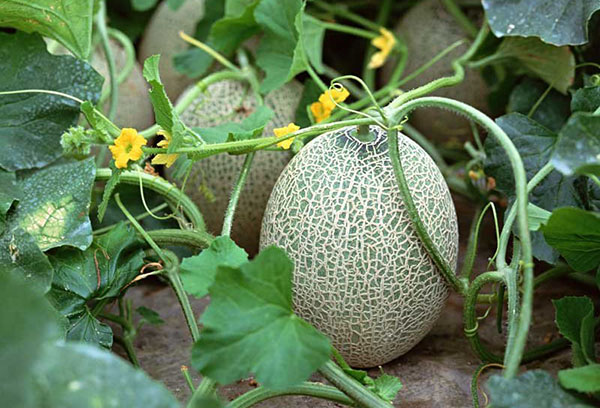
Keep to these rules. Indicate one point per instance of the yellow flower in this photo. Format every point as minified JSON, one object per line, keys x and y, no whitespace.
{"x":166,"y":159}
{"x":322,"y":109}
{"x":284,"y":131}
{"x":128,"y":146}
{"x":385,"y":43}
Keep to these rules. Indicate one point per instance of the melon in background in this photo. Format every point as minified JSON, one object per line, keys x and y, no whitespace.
{"x":162,"y":37}
{"x":233,"y":101}
{"x":361,"y":274}
{"x":428,"y":29}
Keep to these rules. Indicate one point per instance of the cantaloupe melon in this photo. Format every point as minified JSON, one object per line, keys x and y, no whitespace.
{"x":232,"y":101}
{"x":361,"y":274}
{"x":133,"y":108}
{"x":162,"y":37}
{"x":428,"y":29}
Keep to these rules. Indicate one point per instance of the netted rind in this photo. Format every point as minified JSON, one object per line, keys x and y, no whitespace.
{"x":424,"y":44}
{"x":162,"y":37}
{"x":361,"y":274}
{"x":233,"y":101}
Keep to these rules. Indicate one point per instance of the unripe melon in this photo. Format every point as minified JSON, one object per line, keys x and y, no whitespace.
{"x":361,"y":275}
{"x":233,"y":101}
{"x":162,"y":37}
{"x":133,"y":108}
{"x":428,"y":29}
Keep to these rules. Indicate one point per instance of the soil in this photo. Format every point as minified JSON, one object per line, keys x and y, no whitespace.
{"x":436,"y":373}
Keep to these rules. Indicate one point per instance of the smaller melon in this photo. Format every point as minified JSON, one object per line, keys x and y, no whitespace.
{"x":162,"y":37}
{"x":361,"y":273}
{"x":233,"y":101}
{"x":428,"y":29}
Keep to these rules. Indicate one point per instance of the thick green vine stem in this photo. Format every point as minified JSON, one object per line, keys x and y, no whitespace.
{"x":317,"y":390}
{"x":176,"y":237}
{"x":171,"y":193}
{"x":443,"y":266}
{"x":235,"y":194}
{"x":110,"y":59}
{"x":520,"y":327}
{"x":352,"y":388}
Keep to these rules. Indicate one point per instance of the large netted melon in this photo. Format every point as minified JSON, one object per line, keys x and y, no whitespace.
{"x":361,"y":275}
{"x":232,"y":101}
{"x":162,"y":37}
{"x":133,"y":108}
{"x":428,"y":29}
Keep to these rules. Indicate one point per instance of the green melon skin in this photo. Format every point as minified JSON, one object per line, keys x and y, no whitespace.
{"x":428,"y":29}
{"x":162,"y":37}
{"x":361,"y":274}
{"x":232,"y":101}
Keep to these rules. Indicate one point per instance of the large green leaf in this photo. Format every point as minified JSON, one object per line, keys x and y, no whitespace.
{"x":535,"y":144}
{"x":20,"y":255}
{"x":581,"y":379}
{"x":9,"y":193}
{"x":26,"y":323}
{"x":555,"y":65}
{"x":56,"y":204}
{"x":230,"y":31}
{"x":249,"y":326}
{"x":67,"y":21}
{"x":575,"y":234}
{"x":87,"y":328}
{"x":578,"y":149}
{"x":586,"y":99}
{"x":31,"y":124}
{"x":280,"y":53}
{"x":575,"y":321}
{"x":198,"y":272}
{"x":533,"y":389}
{"x":558,"y":22}
{"x":250,"y":128}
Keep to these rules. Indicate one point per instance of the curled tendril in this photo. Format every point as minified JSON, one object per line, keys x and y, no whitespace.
{"x":338,"y":87}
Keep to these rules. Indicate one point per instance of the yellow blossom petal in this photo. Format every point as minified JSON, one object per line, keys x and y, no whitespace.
{"x":385,"y":43}
{"x":128,"y":146}
{"x":328,"y":97}
{"x":284,"y":131}
{"x":166,"y":159}
{"x":319,"y":112}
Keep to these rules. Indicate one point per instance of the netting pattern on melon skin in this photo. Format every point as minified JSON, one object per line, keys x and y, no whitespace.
{"x":233,"y":101}
{"x":361,"y":273}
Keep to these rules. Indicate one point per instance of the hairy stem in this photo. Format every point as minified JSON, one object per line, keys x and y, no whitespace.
{"x":235,"y":195}
{"x":110,"y":60}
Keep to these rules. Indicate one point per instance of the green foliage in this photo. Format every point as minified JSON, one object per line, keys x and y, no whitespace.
{"x":559,"y":22}
{"x":533,"y":389}
{"x":586,"y":99}
{"x":87,"y":329}
{"x":10,"y":192}
{"x":32,"y":124}
{"x":256,"y":331}
{"x":385,"y":386}
{"x":581,"y":379}
{"x":575,"y":321}
{"x":575,"y":234}
{"x":198,"y":272}
{"x":67,"y":21}
{"x":536,"y":216}
{"x":227,"y":34}
{"x":251,"y":127}
{"x":149,"y":316}
{"x":578,"y":149}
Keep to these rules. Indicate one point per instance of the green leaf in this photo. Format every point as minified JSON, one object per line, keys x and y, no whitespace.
{"x":586,"y":99}
{"x":165,"y":114}
{"x":280,"y":52}
{"x":67,"y":21}
{"x":149,"y":316}
{"x":310,"y":94}
{"x":32,"y":124}
{"x":56,"y":204}
{"x":581,"y":379}
{"x":249,"y":326}
{"x":575,"y":321}
{"x":578,"y":149}
{"x":109,"y":188}
{"x":536,"y":216}
{"x":387,"y":387}
{"x":555,"y":65}
{"x":86,"y":328}
{"x":312,"y":33}
{"x":559,"y":22}
{"x":533,"y":389}
{"x":230,"y":31}
{"x":575,"y":234}
{"x":535,"y":144}
{"x":20,"y":256}
{"x":250,"y":128}
{"x":9,"y":191}
{"x":99,"y":123}
{"x":552,"y":112}
{"x":143,"y":5}
{"x":198,"y":272}
{"x":80,"y":375}
{"x":26,"y":322}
